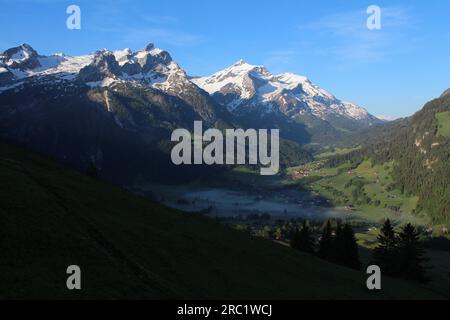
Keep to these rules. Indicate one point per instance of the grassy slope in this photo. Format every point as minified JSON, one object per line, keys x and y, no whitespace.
{"x":334,"y":152}
{"x":377,"y":180}
{"x":129,"y":247}
{"x":444,"y":123}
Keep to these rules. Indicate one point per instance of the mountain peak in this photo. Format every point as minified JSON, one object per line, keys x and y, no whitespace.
{"x":104,"y":66}
{"x":23,"y":57}
{"x":103,"y":51}
{"x":149,"y":47}
{"x":243,"y":65}
{"x":26,"y":46}
{"x":240,"y":62}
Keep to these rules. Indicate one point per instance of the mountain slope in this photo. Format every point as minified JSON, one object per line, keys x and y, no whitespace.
{"x":421,"y":153}
{"x":128,"y":247}
{"x":114,"y":109}
{"x":149,"y":67}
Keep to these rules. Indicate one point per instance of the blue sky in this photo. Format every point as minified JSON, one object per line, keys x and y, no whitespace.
{"x":392,"y":71}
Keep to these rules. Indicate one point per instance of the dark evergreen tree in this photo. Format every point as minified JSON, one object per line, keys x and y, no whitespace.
{"x":295,"y":237}
{"x":350,"y":253}
{"x":385,"y":254}
{"x":411,"y":254}
{"x":305,"y":239}
{"x":326,"y":242}
{"x":338,"y":249}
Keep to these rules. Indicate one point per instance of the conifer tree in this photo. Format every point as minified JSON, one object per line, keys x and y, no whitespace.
{"x":411,"y":254}
{"x":295,"y":236}
{"x":305,"y":239}
{"x":350,"y":257}
{"x":338,"y":249}
{"x":385,"y":254}
{"x":326,"y":242}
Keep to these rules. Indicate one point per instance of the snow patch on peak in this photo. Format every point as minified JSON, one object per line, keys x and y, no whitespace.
{"x":354,"y":111}
{"x":119,"y":54}
{"x":239,"y":78}
{"x":71,"y":65}
{"x":106,"y":82}
{"x":156,"y":51}
{"x":291,"y":78}
{"x":242,"y":65}
{"x":19,"y":56}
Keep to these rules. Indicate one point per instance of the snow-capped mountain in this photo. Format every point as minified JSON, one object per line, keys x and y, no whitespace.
{"x":23,"y":62}
{"x":148,"y":68}
{"x":243,"y":86}
{"x":151,"y":66}
{"x":116,"y":109}
{"x":241,"y":95}
{"x":239,"y":87}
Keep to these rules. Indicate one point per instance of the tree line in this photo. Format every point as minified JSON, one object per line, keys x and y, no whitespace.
{"x":336,"y":244}
{"x":397,"y":254}
{"x":400,"y":254}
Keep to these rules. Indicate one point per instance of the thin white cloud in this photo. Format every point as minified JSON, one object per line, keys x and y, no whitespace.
{"x":346,"y":36}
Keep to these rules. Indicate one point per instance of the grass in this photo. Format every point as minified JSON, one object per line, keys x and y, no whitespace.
{"x":376,"y":186}
{"x":443,"y":123}
{"x":129,"y":247}
{"x":335,"y":152}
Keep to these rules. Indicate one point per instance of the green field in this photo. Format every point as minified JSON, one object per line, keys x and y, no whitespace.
{"x":377,"y":199}
{"x":443,"y":123}
{"x":335,"y":152}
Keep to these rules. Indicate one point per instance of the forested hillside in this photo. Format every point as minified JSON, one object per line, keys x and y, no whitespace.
{"x":420,"y":149}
